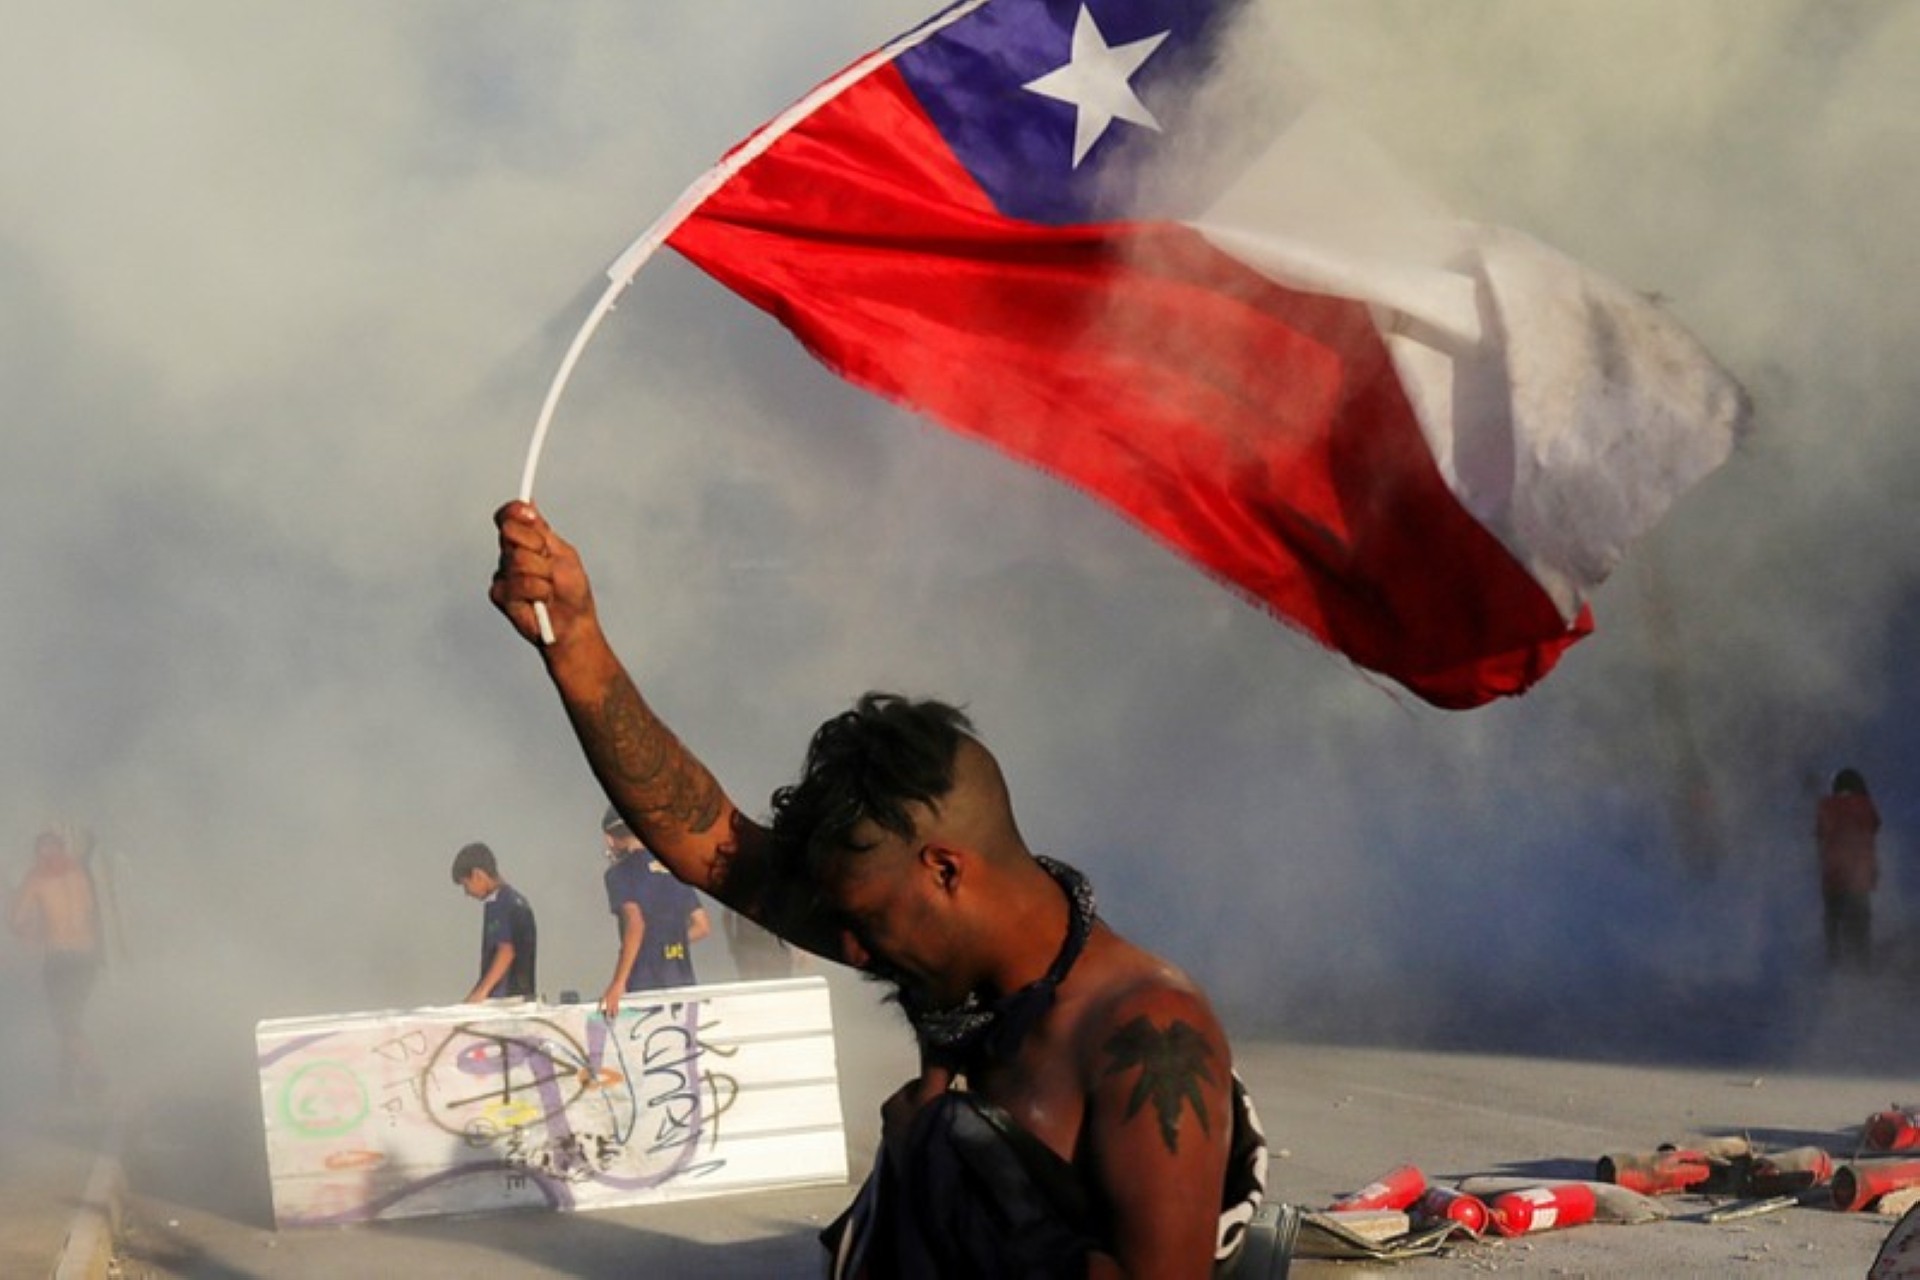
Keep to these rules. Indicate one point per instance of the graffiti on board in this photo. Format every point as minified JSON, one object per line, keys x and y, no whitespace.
{"x":700,"y":1091}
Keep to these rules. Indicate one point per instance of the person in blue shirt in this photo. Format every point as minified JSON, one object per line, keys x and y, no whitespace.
{"x":659,"y":918}
{"x":508,"y":937}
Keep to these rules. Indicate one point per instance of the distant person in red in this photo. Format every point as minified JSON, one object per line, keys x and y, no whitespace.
{"x":1845,"y":831}
{"x":56,"y":909}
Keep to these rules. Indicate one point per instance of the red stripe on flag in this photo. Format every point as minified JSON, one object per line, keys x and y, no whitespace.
{"x":1259,"y":431}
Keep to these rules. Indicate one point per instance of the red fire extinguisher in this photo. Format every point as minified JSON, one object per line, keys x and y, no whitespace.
{"x":1895,"y":1129}
{"x":1566,"y":1204}
{"x":1785,"y":1173}
{"x":1444,"y":1204}
{"x":1393,"y":1190}
{"x":1857,"y":1185}
{"x":1654,"y":1173}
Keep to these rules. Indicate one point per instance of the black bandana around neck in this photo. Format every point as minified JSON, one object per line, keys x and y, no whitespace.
{"x":973,"y":1030}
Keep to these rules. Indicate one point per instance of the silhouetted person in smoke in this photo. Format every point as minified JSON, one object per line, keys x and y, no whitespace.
{"x":508,"y":937}
{"x":1101,"y":1132}
{"x":658,"y":916}
{"x":56,"y":908}
{"x":1846,"y":830}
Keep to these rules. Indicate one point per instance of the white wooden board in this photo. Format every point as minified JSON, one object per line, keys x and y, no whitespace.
{"x":699,"y":1091}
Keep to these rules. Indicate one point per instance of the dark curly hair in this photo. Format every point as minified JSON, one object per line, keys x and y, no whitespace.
{"x":871,"y":762}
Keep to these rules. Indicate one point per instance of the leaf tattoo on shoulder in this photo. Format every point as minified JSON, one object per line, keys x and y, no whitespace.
{"x":1172,"y":1064}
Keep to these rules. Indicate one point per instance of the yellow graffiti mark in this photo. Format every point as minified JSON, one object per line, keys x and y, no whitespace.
{"x":515,"y":1113}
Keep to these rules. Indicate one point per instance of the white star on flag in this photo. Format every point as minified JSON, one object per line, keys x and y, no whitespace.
{"x":1095,"y":82}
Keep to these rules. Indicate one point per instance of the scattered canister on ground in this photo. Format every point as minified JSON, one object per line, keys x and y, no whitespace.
{"x":1519,"y":1213}
{"x":1653,"y":1173}
{"x":1444,"y":1204}
{"x":1859,"y":1184}
{"x":1393,"y":1190}
{"x":1895,"y":1129}
{"x":1786,"y":1172}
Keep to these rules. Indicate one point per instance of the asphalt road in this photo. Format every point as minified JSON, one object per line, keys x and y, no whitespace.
{"x":1532,"y":1097}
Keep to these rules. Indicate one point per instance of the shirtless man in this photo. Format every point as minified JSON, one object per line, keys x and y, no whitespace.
{"x":1096,"y":1074}
{"x":56,"y":908}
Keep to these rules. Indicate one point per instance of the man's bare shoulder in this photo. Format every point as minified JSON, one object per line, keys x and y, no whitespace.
{"x":1156,"y":1071}
{"x":1132,"y":993}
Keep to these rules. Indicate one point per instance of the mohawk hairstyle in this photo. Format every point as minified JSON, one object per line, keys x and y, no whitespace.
{"x":871,"y":762}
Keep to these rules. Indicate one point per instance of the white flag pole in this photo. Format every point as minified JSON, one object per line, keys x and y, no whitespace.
{"x":580,"y":340}
{"x":628,"y":264}
{"x":619,"y":276}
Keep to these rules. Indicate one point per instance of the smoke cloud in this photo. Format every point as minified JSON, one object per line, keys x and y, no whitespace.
{"x":283,"y":289}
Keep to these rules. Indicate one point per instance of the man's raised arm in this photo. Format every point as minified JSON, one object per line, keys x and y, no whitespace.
{"x":662,"y":789}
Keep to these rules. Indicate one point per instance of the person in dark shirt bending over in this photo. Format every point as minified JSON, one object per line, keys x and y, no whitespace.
{"x":508,"y":938}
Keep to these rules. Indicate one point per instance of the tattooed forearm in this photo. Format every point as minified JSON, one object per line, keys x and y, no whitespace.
{"x":1172,"y":1064}
{"x":637,"y":743}
{"x":647,"y":765}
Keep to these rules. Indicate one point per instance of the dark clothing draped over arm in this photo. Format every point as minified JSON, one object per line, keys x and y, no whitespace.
{"x":978,"y":1196}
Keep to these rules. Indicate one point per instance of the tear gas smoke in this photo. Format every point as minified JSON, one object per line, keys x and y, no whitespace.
{"x":282,"y":296}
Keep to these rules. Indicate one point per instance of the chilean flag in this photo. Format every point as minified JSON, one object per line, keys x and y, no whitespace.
{"x":1069,"y":229}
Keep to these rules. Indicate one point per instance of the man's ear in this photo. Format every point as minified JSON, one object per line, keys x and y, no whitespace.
{"x":947,"y":864}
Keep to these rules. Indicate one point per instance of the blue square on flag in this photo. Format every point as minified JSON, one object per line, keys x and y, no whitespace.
{"x":1055,"y":105}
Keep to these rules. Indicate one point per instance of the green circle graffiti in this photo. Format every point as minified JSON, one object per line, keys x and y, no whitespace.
{"x":324,"y":1100}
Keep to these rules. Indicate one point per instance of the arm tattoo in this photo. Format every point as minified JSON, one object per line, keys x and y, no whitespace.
{"x":1172,"y":1063}
{"x":655,"y":772}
